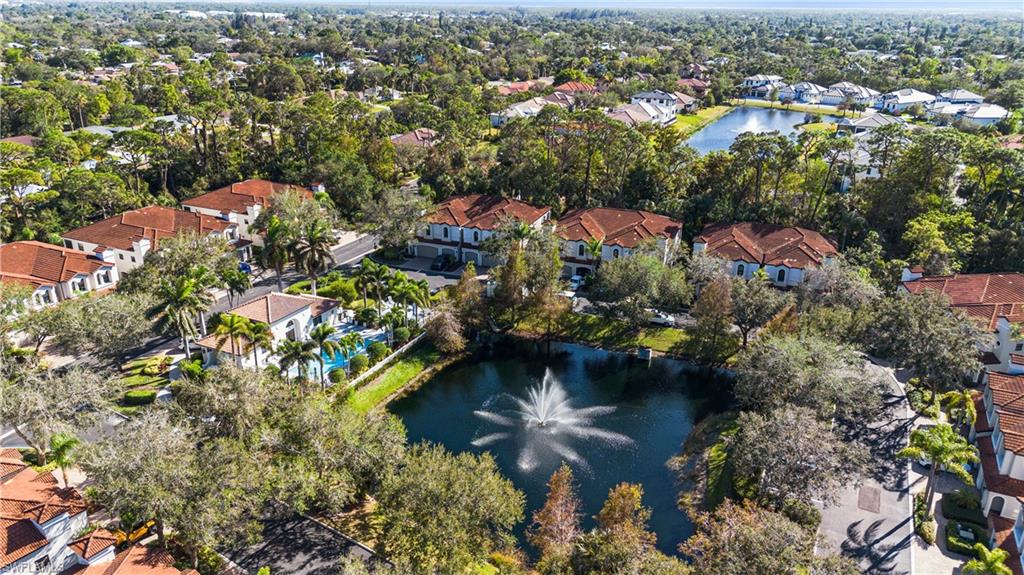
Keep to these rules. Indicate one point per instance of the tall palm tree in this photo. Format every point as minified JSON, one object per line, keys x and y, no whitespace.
{"x":987,"y":562}
{"x":321,"y":336}
{"x":960,"y":405}
{"x":259,"y":337}
{"x":62,"y":447}
{"x":421,"y":297}
{"x":297,"y":353}
{"x":230,"y":327}
{"x":945,"y":449}
{"x":593,"y":248}
{"x":237,"y":283}
{"x":180,"y":301}
{"x":350,"y":344}
{"x":378,"y":278}
{"x":363,"y":276}
{"x":312,"y":251}
{"x":275,"y":252}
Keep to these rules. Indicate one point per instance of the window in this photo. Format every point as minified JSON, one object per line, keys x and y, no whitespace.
{"x":476,"y":236}
{"x":1019,"y":347}
{"x":78,"y":285}
{"x":580,"y":250}
{"x":103,"y":277}
{"x":42,"y":564}
{"x":740,"y":269}
{"x":781,"y":276}
{"x":615,"y":253}
{"x":69,"y":244}
{"x":444,"y":232}
{"x":133,"y":259}
{"x":426,"y":232}
{"x":120,"y":256}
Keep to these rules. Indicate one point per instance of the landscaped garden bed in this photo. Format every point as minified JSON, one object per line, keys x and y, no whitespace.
{"x":142,"y":379}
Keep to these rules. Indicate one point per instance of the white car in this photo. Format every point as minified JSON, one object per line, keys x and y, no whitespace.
{"x":575,"y":283}
{"x":661,"y":318}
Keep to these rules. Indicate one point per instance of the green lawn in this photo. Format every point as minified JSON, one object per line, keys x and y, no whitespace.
{"x":610,"y":333}
{"x":818,"y":127}
{"x":809,"y":108}
{"x":394,"y":378}
{"x":690,"y":123}
{"x":719,"y":471}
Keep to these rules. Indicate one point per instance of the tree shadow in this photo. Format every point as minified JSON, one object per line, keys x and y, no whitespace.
{"x":868,"y":547}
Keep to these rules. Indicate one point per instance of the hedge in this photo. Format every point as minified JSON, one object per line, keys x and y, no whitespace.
{"x":957,"y":545}
{"x":139,"y":397}
{"x":924,"y":524}
{"x":954,"y":512}
{"x":802,"y":513}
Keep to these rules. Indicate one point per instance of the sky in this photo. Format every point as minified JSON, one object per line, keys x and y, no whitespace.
{"x":945,"y":6}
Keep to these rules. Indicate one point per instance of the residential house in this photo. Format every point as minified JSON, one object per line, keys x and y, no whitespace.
{"x":759,"y":80}
{"x":460,"y":225}
{"x":899,"y":101}
{"x":960,"y":96}
{"x":56,"y":273}
{"x":29,"y":141}
{"x":685,"y":103}
{"x":804,"y":92}
{"x":698,"y":86}
{"x":785,"y":253}
{"x":980,"y":115}
{"x":644,"y":113}
{"x":290,"y":317}
{"x":864,"y":124}
{"x":135,"y":233}
{"x":576,"y":87}
{"x":379,"y":94}
{"x":694,"y":70}
{"x":418,"y":138}
{"x":239,"y":204}
{"x":656,"y":97}
{"x":842,"y":92}
{"x":532,"y":107}
{"x":620,"y":232}
{"x":994,"y":300}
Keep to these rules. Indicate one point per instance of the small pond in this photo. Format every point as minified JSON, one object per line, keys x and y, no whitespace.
{"x":721,"y":133}
{"x":615,"y":418}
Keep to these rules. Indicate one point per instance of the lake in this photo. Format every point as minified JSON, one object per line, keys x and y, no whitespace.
{"x":635,"y":416}
{"x":721,"y":133}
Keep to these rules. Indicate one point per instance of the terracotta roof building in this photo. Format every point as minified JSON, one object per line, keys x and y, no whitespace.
{"x":620,"y":231}
{"x":419,"y":138}
{"x":135,"y":233}
{"x":985,"y":297}
{"x":576,"y":87}
{"x":785,"y":253}
{"x":241,"y":203}
{"x":459,"y":225}
{"x":56,"y":273}
{"x":29,"y":141}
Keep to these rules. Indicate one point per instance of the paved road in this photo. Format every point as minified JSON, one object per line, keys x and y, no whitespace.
{"x":872,"y":523}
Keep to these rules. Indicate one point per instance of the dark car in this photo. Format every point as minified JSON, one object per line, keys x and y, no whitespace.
{"x":443,"y":262}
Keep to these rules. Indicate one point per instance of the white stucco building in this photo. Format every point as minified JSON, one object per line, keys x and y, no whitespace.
{"x":241,"y":203}
{"x":56,"y":273}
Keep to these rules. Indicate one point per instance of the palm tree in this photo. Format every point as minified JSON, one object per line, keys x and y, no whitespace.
{"x":960,"y":405}
{"x":275,"y":252}
{"x":259,"y":337}
{"x":232,"y":326}
{"x":363,"y":275}
{"x":312,"y":251}
{"x":593,"y":248}
{"x":378,"y":278}
{"x":62,"y":447}
{"x":350,"y":344}
{"x":987,"y":562}
{"x":321,"y":335}
{"x":180,"y":300}
{"x":945,"y":449}
{"x":237,"y":283}
{"x":421,"y":297}
{"x":297,"y":353}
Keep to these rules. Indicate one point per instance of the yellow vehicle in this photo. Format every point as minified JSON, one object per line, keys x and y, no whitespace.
{"x":136,"y":534}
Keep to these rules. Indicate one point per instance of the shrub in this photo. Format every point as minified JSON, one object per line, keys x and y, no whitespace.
{"x":298,"y":287}
{"x":192,"y":369}
{"x":922,"y":400}
{"x":802,"y":513}
{"x":337,"y":376}
{"x":139,"y":397}
{"x":359,"y":363}
{"x":924,"y":524}
{"x":367,"y":316}
{"x":926,"y":531}
{"x":342,"y":289}
{"x":956,"y":544}
{"x":402,"y":335}
{"x":377,"y":351}
{"x":962,"y":506}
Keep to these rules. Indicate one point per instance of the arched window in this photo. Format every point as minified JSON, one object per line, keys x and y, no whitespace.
{"x":579,"y":250}
{"x":445,"y":233}
{"x":476,"y":236}
{"x":427,"y":232}
{"x":997,"y":505}
{"x":740,"y":269}
{"x":615,"y":253}
{"x":781,"y":276}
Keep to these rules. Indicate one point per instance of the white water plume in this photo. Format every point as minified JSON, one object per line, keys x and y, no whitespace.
{"x":546,"y":422}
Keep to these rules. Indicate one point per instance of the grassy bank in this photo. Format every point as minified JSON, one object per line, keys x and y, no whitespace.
{"x":807,"y":108}
{"x":703,"y":466}
{"x":607,"y":333}
{"x":690,"y":123}
{"x":421,"y":362}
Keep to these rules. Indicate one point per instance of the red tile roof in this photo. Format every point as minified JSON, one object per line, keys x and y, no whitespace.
{"x":153,"y":223}
{"x":272,"y":308}
{"x":1007,"y":392}
{"x":136,"y":560}
{"x":994,"y":481}
{"x":41,"y":264}
{"x":767,"y":244}
{"x":985,"y":297}
{"x":421,"y":137}
{"x":23,"y":140}
{"x":239,"y":196}
{"x":483,"y":211}
{"x":92,"y":544}
{"x":18,"y":539}
{"x":1002,"y":533}
{"x":574,"y":86}
{"x":617,"y":227}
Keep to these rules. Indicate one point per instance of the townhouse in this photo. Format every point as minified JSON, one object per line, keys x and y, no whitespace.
{"x":460,"y":225}
{"x":620,"y":232}
{"x":56,"y":273}
{"x":785,"y":253}
{"x":133,"y":234}
{"x":239,"y":204}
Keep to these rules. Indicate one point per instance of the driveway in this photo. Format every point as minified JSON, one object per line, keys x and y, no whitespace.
{"x":872,"y":523}
{"x":419,"y":269}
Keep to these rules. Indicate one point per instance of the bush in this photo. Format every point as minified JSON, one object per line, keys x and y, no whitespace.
{"x":358,"y":364}
{"x":918,"y":396}
{"x":342,"y":289}
{"x":924,"y":524}
{"x":926,"y":531}
{"x":956,"y":544}
{"x":802,"y":513}
{"x":298,"y":287}
{"x":192,"y":369}
{"x":367,"y":316}
{"x":962,"y":506}
{"x":402,"y":335}
{"x":377,"y":351}
{"x":337,"y":376}
{"x":139,"y":397}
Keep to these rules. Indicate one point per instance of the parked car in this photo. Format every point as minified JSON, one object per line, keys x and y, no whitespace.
{"x":444,"y":262}
{"x":575,"y":283}
{"x":661,"y":318}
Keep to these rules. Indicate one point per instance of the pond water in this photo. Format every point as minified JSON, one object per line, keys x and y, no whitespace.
{"x":620,"y":419}
{"x":721,"y":133}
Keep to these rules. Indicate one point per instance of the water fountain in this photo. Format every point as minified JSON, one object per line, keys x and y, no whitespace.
{"x":545,"y":423}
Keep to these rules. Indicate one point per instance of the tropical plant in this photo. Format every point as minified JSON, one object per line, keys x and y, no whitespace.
{"x":259,"y":337}
{"x":231,"y":327}
{"x":180,"y":300}
{"x":275,"y":252}
{"x":593,"y":248}
{"x":312,"y":251}
{"x":943,"y":448}
{"x":378,"y":277}
{"x":351,"y":344}
{"x":62,"y":448}
{"x":987,"y":562}
{"x":960,"y":406}
{"x":237,"y":283}
{"x":299,"y":354}
{"x":321,"y":335}
{"x":363,"y":276}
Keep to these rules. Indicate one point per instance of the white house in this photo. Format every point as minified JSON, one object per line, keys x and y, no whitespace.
{"x":759,"y":80}
{"x":460,"y":225}
{"x":290,"y":317}
{"x":133,"y":234}
{"x":656,"y":97}
{"x":620,"y":232}
{"x":960,"y":96}
{"x":644,"y":113}
{"x":805,"y":92}
{"x":785,"y":253}
{"x":899,"y":101}
{"x":864,"y":124}
{"x":56,"y":273}
{"x":532,"y":107}
{"x":982,"y":114}
{"x":841,"y":92}
{"x":241,"y":203}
